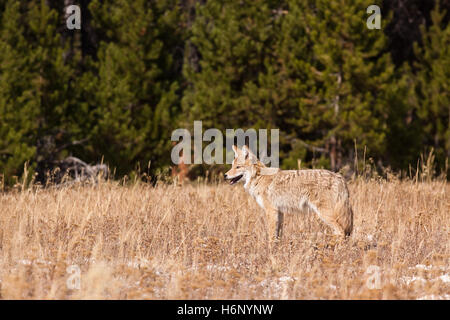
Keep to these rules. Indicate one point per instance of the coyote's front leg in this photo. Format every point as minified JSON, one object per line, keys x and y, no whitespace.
{"x":275,"y":222}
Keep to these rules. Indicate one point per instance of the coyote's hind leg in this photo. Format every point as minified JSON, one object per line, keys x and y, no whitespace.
{"x":275,"y":220}
{"x":328,"y":217}
{"x":279,"y":232}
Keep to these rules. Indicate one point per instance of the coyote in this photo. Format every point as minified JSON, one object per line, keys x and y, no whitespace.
{"x":282,"y":191}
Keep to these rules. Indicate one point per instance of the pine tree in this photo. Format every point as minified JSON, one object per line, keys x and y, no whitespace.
{"x":233,"y":42}
{"x":274,"y":96}
{"x":402,"y":146}
{"x":312,"y":69}
{"x":35,"y":81}
{"x":432,"y":100}
{"x":348,"y":76}
{"x":137,"y":93}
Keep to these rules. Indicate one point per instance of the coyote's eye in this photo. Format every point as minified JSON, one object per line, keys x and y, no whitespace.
{"x":238,"y":167}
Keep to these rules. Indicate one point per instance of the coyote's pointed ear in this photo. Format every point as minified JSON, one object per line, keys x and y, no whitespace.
{"x":247,"y":153}
{"x":236,"y":150}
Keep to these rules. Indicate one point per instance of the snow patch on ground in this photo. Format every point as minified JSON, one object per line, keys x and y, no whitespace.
{"x":435,"y":297}
{"x":445,"y":278}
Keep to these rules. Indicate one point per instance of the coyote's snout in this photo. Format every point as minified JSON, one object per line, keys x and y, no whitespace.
{"x":281,"y":191}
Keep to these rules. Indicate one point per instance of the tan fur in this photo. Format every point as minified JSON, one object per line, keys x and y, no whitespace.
{"x":283,"y":191}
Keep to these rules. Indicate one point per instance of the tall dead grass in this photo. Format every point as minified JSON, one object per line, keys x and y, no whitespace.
{"x":210,"y":242}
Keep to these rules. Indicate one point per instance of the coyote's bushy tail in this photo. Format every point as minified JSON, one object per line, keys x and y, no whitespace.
{"x":344,"y":216}
{"x":349,"y":229}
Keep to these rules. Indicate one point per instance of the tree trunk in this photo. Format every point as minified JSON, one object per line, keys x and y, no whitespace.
{"x":335,"y":143}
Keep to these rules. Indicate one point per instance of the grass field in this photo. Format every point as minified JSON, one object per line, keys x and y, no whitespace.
{"x":202,"y":241}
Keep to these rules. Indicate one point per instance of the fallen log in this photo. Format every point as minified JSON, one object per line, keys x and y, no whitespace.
{"x":68,"y":171}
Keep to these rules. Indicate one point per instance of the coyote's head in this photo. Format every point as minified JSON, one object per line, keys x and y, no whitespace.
{"x":245,"y":165}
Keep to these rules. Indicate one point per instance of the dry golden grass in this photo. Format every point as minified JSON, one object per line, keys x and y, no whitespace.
{"x":210,"y":242}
